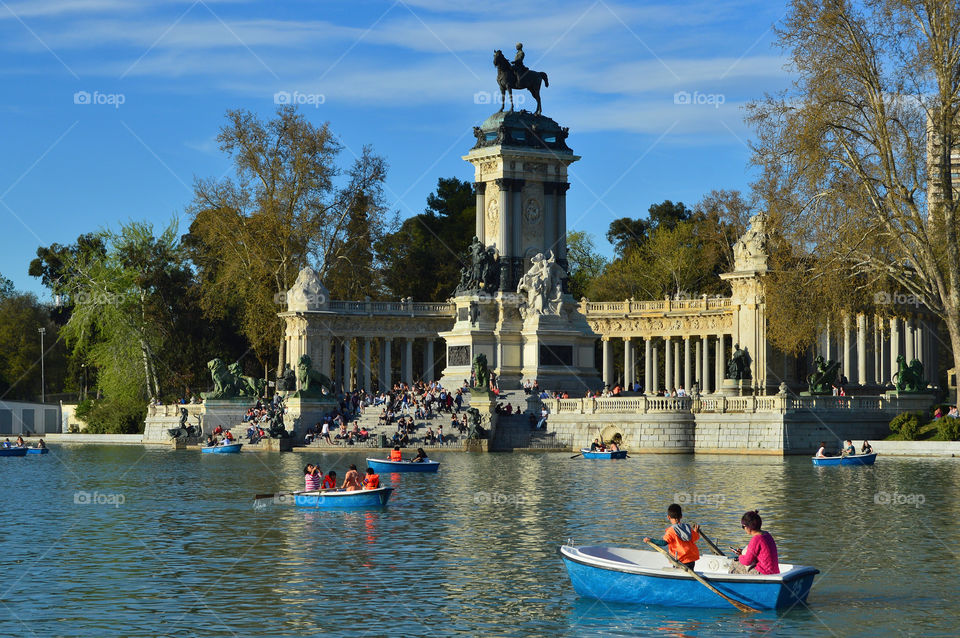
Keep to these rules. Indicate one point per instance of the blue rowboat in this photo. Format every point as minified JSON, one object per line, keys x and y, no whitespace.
{"x":859,"y":459}
{"x":618,"y":454}
{"x":622,"y":575}
{"x":383,"y":465}
{"x":342,"y":499}
{"x":13,"y":451}
{"x":232,"y":448}
{"x":37,"y":450}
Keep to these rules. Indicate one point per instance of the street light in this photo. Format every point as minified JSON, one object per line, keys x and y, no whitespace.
{"x":43,"y":384}
{"x":83,"y":391}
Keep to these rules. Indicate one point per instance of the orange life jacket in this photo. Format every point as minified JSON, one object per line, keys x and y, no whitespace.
{"x":683,"y":551}
{"x":371,"y":482}
{"x":395,"y":455}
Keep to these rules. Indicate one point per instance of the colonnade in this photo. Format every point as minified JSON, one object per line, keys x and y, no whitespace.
{"x":868,"y":347}
{"x":687,"y":360}
{"x":349,"y":361}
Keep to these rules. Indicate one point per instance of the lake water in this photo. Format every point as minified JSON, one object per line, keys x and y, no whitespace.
{"x":171,"y":544}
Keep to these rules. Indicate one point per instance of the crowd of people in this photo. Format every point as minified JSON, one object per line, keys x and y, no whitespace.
{"x":21,"y":443}
{"x":315,"y":480}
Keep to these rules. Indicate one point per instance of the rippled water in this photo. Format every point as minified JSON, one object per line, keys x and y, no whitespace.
{"x":175,"y":547}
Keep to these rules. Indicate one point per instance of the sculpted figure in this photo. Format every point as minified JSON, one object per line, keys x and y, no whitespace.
{"x":909,"y":378}
{"x":542,"y":286}
{"x":821,"y":381}
{"x":481,"y":372}
{"x":517,"y":76}
{"x":312,"y":383}
{"x":246,"y":386}
{"x":739,"y":365}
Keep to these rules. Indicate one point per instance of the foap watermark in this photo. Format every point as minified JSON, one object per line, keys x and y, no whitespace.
{"x":300,"y":298}
{"x":97,"y":98}
{"x":487,"y":97}
{"x":697,"y":498}
{"x":498,"y":498}
{"x":296,"y":98}
{"x":896,"y":498}
{"x":699,"y":99}
{"x":897,"y":299}
{"x":98,"y":498}
{"x":98,"y":298}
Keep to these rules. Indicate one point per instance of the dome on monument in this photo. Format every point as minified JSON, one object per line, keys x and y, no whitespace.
{"x":522,"y":129}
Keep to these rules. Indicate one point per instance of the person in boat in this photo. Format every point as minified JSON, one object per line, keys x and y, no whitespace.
{"x":420,"y":457}
{"x":211,"y":442}
{"x":613,"y":447}
{"x":822,"y":451}
{"x":371,"y":481}
{"x":228,"y":438}
{"x":42,"y":445}
{"x":595,"y":445}
{"x":848,"y":449}
{"x":6,"y":443}
{"x":395,"y":454}
{"x":680,"y":539}
{"x":866,"y":448}
{"x":351,"y":482}
{"x":20,"y":442}
{"x":329,"y":481}
{"x":311,"y":478}
{"x":760,"y":556}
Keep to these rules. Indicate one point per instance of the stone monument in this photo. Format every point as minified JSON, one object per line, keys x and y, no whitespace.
{"x":512,"y":304}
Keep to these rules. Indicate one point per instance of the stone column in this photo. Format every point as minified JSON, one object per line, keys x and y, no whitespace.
{"x":882,"y":355}
{"x":386,"y":383}
{"x":627,"y":364}
{"x":909,"y":340}
{"x":325,"y":355}
{"x":607,"y":363}
{"x":894,"y":346}
{"x":676,"y":364}
{"x":347,"y":376}
{"x":561,"y":250}
{"x":428,"y":361}
{"x":862,"y":350}
{"x":337,"y":362}
{"x":877,"y":376}
{"x":847,"y":368}
{"x":481,"y":188}
{"x":718,"y":364}
{"x":654,"y":385}
{"x":367,"y":385}
{"x":687,"y":370}
{"x":699,"y":371}
{"x":647,"y":364}
{"x":705,"y":378}
{"x":408,"y":361}
{"x":667,"y":363}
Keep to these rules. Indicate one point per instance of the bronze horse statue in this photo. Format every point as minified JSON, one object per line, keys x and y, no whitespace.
{"x":508,"y":81}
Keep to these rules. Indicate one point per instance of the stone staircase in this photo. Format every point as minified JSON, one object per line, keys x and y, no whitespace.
{"x":370,"y":420}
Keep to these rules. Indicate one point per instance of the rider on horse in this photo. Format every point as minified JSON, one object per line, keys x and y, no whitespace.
{"x":518,"y":66}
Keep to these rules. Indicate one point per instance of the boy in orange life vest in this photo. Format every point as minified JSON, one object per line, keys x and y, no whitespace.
{"x":371,"y":481}
{"x":680,"y":539}
{"x":395,"y":454}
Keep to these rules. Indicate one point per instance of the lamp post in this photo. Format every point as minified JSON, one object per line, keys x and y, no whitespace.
{"x":83,"y":391}
{"x":43,"y":384}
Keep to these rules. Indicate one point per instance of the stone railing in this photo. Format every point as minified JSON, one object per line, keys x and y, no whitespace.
{"x":193,"y":409}
{"x":734,"y":404}
{"x":407,"y":307}
{"x":624,"y":308}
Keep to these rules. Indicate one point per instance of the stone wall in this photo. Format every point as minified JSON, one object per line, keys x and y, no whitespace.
{"x":664,"y":433}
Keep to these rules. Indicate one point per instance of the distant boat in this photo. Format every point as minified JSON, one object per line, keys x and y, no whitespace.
{"x":622,"y":575}
{"x":231,"y":448}
{"x":858,"y":459}
{"x":37,"y":450}
{"x":609,"y":454}
{"x":13,"y":451}
{"x":342,"y":499}
{"x":383,"y":465}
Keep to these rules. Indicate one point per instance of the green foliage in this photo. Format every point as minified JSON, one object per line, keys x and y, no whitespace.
{"x":948,"y":429}
{"x":21,"y":315}
{"x":6,"y":287}
{"x":114,"y":416}
{"x":584,"y":262}
{"x":907,"y":425}
{"x":423,"y":258}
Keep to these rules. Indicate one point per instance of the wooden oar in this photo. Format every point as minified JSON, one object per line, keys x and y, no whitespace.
{"x":576,"y":455}
{"x":703,"y":581}
{"x":716,"y":550}
{"x":263,"y":496}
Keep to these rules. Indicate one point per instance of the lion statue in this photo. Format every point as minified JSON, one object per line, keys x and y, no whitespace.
{"x":225,"y":385}
{"x":312,"y":383}
{"x":246,"y":386}
{"x":481,"y":372}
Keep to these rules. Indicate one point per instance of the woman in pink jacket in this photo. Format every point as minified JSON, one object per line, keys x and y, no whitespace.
{"x":760,"y":556}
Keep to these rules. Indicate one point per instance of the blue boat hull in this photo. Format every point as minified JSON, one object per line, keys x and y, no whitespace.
{"x":344,"y":500}
{"x":673,"y":588}
{"x":37,"y":450}
{"x":13,"y":451}
{"x":379,"y":465}
{"x":619,"y":454}
{"x":233,"y":448}
{"x":860,"y":459}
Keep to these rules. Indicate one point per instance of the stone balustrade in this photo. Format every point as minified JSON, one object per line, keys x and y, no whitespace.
{"x":406,"y":307}
{"x":781,"y":404}
{"x":629,"y":306}
{"x":173,"y":410}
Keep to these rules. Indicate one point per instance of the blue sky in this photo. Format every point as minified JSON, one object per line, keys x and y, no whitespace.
{"x":110,"y":108}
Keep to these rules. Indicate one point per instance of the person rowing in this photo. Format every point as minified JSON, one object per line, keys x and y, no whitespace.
{"x":680,"y":539}
{"x":352,"y":482}
{"x":420,"y":457}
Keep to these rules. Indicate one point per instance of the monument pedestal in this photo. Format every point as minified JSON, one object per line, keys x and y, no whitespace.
{"x":488,"y":325}
{"x":736,"y":387}
{"x":227,"y":413}
{"x":558,"y":350}
{"x":305,"y":412}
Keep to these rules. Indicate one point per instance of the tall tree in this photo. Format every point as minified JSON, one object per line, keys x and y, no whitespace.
{"x":422,"y":259}
{"x":252,"y":234}
{"x":845,"y":151}
{"x":585,"y":263}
